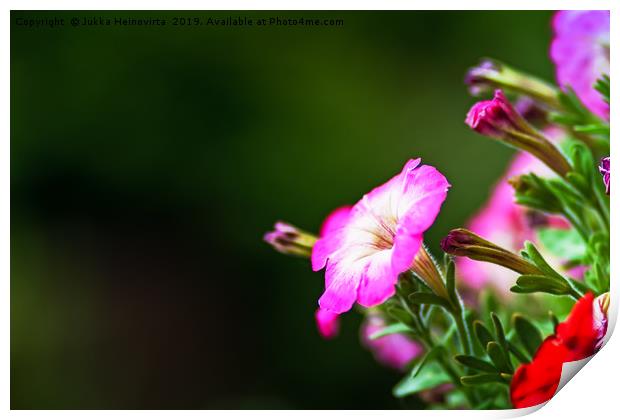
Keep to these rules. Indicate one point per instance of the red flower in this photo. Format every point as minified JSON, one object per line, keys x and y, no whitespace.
{"x":576,"y":338}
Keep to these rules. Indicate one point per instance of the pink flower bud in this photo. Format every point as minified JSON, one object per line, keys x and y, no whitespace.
{"x":604,"y":169}
{"x":495,"y":118}
{"x":498,"y":119}
{"x":290,"y":240}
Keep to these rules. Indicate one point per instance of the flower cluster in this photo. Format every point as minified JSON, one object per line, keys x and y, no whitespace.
{"x":544,"y":232}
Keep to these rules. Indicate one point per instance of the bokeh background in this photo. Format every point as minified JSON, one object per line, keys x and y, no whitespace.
{"x":146,"y":164}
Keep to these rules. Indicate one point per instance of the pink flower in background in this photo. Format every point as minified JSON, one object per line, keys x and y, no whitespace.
{"x":379,"y":239}
{"x":507,"y":224}
{"x":327,"y":323}
{"x":394,"y":350}
{"x":580,"y":51}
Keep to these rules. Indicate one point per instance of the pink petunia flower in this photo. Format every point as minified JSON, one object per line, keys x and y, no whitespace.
{"x":506,"y":224}
{"x":327,"y":323}
{"x":395,"y":350}
{"x":380,"y":238}
{"x":580,"y":51}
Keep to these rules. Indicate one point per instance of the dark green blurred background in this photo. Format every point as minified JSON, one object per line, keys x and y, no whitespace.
{"x":146,"y":164}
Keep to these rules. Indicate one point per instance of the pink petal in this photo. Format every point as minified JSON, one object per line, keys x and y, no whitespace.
{"x":341,"y":285}
{"x":327,"y":323}
{"x":330,"y":236}
{"x":423,"y":192}
{"x":406,"y":247}
{"x":337,"y":219}
{"x":378,"y":280}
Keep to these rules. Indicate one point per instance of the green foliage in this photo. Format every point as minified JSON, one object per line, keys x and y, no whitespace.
{"x":397,"y":328}
{"x":529,"y":336}
{"x":483,"y":335}
{"x":565,"y":243}
{"x":603,"y":86}
{"x":482,"y":378}
{"x":475,"y":363}
{"x":430,"y":376}
{"x":421,"y":298}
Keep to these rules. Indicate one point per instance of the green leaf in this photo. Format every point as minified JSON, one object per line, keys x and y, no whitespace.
{"x":565,"y":243}
{"x":451,"y":282}
{"x":481,"y":379}
{"x":539,"y":261}
{"x":554,"y":320}
{"x":475,"y":363}
{"x":397,"y":328}
{"x":499,"y":331}
{"x":428,"y":357}
{"x":430,"y":376}
{"x":528,"y":334}
{"x":518,"y":353}
{"x":600,"y":129}
{"x":533,"y":283}
{"x":421,"y":298}
{"x":517,"y":289}
{"x":400,"y":315}
{"x":497,"y":355}
{"x":603,"y":86}
{"x":482,"y":333}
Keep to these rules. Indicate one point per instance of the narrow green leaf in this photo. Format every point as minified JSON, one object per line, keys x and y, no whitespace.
{"x":397,"y":328}
{"x":497,"y":355}
{"x":554,"y":320}
{"x":428,"y":357}
{"x":533,"y":283}
{"x":528,"y":334}
{"x":520,"y":290}
{"x":499,"y":331}
{"x":421,"y":298}
{"x":518,"y":353}
{"x":481,"y":379}
{"x":539,"y":261}
{"x":400,"y":315}
{"x":430,"y":376}
{"x":475,"y":363}
{"x":482,"y":333}
{"x":451,"y":282}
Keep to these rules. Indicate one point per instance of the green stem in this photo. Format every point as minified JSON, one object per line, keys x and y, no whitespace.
{"x":602,"y":208}
{"x":429,"y":343}
{"x":463,"y":331}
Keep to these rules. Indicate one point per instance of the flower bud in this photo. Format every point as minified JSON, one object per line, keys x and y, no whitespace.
{"x":464,"y":243}
{"x":604,"y":170}
{"x":290,"y":240}
{"x":491,"y":74}
{"x":600,"y":309}
{"x":498,"y":119}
